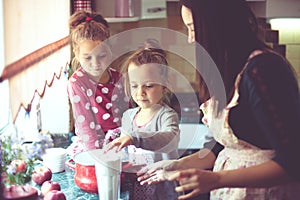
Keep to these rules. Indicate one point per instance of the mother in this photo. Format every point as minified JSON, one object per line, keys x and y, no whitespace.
{"x":256,"y":131}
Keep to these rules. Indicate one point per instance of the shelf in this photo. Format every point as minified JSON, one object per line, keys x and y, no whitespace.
{"x":121,"y":19}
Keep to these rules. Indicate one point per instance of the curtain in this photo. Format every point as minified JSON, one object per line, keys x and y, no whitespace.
{"x":36,"y":46}
{"x":35,"y":72}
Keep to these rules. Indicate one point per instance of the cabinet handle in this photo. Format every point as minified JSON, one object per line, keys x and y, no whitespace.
{"x":156,"y":9}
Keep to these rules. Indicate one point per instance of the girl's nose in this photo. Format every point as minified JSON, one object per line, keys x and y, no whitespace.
{"x":96,"y":61}
{"x":140,"y":91}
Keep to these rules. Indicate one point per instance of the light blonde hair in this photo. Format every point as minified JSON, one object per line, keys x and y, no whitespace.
{"x":148,"y":56}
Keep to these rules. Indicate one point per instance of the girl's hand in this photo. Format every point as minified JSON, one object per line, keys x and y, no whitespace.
{"x":195,"y":180}
{"x":119,"y":143}
{"x":157,"y":172}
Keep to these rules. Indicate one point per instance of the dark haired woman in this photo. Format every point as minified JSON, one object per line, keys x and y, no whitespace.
{"x":256,"y":128}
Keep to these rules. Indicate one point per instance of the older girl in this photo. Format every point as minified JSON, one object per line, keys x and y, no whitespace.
{"x":95,"y":93}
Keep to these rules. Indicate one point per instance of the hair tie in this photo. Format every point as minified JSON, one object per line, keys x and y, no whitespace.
{"x":87,"y":19}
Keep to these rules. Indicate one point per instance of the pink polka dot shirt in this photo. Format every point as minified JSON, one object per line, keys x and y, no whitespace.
{"x":97,"y":107}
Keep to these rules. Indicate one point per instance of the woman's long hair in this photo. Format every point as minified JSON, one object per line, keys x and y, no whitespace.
{"x":228,"y":31}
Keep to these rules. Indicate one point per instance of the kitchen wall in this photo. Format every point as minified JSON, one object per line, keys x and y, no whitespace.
{"x":289,"y":34}
{"x":173,"y":21}
{"x":284,"y":16}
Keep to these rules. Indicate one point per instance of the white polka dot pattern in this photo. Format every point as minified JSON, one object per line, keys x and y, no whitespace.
{"x":114,"y":97}
{"x":95,"y":110}
{"x":106,"y":116}
{"x":92,"y":125}
{"x":96,"y":106}
{"x":99,"y":99}
{"x":79,"y":73}
{"x":76,"y":98}
{"x":80,"y":118}
{"x":105,"y":90}
{"x":117,"y":110}
{"x":108,"y":105}
{"x":87,"y":106}
{"x":89,"y":92}
{"x":97,"y":144}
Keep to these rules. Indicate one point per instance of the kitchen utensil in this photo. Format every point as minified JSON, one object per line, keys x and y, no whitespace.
{"x":85,"y":175}
{"x":108,"y":170}
{"x":54,"y":159}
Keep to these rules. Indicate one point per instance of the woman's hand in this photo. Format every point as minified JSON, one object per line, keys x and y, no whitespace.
{"x":118,"y":143}
{"x":195,"y":180}
{"x":157,"y":172}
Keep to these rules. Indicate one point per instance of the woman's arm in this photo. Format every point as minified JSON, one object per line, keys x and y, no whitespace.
{"x":151,"y":174}
{"x":202,"y":181}
{"x":203,"y":159}
{"x":267,"y":174}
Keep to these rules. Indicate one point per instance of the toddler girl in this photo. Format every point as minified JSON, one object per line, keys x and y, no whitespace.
{"x":152,"y":127}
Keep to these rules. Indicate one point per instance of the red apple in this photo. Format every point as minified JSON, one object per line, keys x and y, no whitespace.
{"x":48,"y":186}
{"x":55,"y":195}
{"x":20,"y":165}
{"x":41,"y":174}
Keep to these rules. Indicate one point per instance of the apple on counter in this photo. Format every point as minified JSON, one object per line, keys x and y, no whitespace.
{"x":47,"y":186}
{"x":20,"y":165}
{"x":41,"y":174}
{"x":55,"y":195}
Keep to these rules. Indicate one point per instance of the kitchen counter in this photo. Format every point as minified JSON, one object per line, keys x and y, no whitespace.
{"x":72,"y":191}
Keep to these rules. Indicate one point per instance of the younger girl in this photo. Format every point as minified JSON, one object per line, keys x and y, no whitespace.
{"x":152,"y":127}
{"x":93,"y":88}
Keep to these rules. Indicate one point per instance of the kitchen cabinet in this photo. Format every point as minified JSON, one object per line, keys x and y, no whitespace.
{"x":137,"y":9}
